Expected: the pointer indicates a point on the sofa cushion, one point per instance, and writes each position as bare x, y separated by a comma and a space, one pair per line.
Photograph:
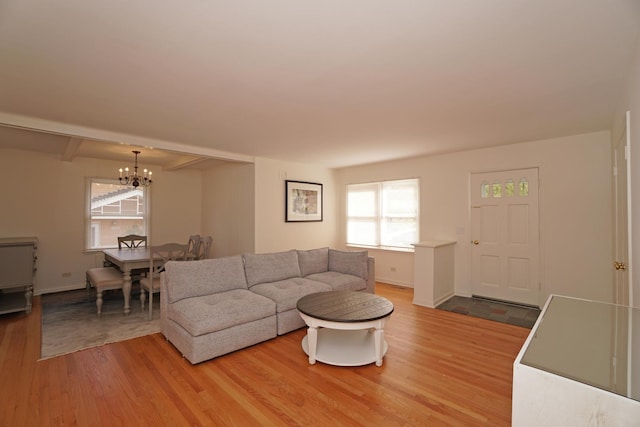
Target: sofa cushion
286, 293
196, 278
271, 267
313, 261
349, 262
339, 281
210, 313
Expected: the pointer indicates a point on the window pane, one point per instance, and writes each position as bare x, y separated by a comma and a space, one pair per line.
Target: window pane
399, 198
497, 189
399, 232
383, 214
523, 187
509, 188
362, 202
362, 233
115, 210
484, 190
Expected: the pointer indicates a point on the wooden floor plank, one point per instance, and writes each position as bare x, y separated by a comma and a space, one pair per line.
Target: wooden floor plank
441, 368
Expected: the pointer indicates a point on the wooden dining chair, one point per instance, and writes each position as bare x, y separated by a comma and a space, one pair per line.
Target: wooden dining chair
159, 256
192, 246
204, 247
132, 241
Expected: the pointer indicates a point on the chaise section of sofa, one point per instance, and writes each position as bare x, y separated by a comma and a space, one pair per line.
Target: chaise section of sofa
207, 309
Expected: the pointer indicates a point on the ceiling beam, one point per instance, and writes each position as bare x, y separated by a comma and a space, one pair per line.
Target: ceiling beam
71, 149
182, 162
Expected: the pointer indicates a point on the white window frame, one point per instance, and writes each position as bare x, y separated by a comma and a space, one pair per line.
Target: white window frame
378, 216
90, 227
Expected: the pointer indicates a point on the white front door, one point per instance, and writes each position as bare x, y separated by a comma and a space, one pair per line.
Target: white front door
505, 239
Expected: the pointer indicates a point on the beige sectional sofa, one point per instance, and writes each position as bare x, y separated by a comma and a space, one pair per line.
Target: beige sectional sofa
215, 306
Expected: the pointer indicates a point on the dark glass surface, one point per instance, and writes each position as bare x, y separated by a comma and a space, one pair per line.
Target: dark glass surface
591, 342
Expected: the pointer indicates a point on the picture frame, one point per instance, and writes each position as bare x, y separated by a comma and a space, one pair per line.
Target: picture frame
303, 201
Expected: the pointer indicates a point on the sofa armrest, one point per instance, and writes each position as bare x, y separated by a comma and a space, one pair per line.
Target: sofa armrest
371, 275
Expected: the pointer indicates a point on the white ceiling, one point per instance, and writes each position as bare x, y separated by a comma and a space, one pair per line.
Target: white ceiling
336, 83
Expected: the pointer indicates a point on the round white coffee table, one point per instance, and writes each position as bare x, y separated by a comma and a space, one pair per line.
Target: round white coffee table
346, 328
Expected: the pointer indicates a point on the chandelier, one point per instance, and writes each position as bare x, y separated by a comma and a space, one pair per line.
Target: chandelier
134, 179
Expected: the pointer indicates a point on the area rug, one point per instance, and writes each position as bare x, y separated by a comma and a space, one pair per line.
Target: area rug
512, 314
70, 322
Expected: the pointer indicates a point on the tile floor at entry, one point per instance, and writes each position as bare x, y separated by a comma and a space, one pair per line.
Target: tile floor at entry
512, 314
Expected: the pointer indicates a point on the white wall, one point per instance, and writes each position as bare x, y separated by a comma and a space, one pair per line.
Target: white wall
45, 197
272, 233
575, 209
228, 208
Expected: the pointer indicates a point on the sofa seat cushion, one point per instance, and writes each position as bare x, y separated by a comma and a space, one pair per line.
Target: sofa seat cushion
286, 293
339, 281
210, 313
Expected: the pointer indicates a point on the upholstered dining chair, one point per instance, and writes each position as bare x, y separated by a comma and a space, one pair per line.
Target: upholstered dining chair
192, 246
132, 241
104, 279
160, 254
204, 247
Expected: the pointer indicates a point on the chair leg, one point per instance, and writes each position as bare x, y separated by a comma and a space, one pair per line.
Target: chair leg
99, 303
143, 296
150, 305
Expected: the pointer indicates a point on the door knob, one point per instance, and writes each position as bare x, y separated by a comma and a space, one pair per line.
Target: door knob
475, 242
620, 265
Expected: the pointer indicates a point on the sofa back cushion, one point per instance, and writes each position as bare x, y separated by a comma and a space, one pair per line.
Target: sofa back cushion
186, 279
313, 261
349, 262
271, 267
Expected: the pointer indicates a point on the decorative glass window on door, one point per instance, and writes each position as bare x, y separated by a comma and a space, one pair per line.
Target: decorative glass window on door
484, 190
509, 188
497, 189
523, 187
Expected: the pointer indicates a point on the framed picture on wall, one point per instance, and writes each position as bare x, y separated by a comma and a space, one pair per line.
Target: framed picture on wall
303, 201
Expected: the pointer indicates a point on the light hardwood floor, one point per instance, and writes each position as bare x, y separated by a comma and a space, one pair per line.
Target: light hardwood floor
441, 368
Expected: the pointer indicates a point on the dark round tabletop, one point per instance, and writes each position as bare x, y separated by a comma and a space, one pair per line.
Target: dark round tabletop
345, 306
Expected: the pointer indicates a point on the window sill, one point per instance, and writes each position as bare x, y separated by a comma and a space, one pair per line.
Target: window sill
382, 248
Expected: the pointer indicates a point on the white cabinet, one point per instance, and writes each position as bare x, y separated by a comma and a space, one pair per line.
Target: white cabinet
17, 273
433, 281
580, 366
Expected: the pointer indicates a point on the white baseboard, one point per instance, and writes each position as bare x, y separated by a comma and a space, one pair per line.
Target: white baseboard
61, 289
394, 282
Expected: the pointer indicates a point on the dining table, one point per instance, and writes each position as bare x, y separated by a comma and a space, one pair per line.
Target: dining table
128, 259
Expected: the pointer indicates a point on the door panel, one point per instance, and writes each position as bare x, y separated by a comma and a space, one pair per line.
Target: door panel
505, 240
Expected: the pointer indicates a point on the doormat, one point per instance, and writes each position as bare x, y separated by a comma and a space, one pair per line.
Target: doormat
512, 314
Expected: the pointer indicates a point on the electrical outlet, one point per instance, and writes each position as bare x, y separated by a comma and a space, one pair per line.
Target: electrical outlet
66, 274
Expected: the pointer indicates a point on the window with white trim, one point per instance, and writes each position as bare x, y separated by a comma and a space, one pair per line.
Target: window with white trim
114, 210
384, 214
